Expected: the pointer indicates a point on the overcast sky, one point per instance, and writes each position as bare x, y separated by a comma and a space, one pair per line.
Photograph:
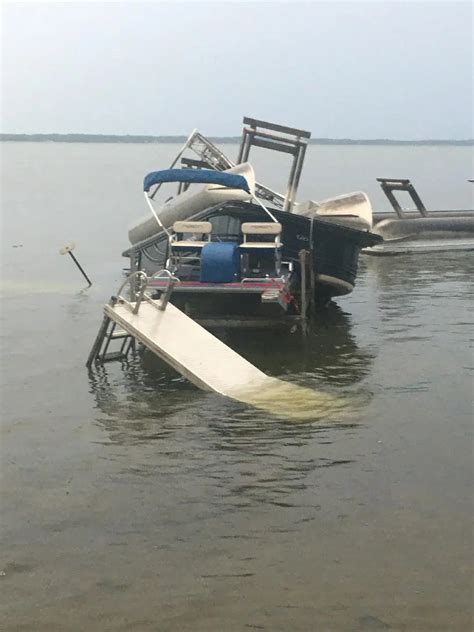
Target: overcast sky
340, 69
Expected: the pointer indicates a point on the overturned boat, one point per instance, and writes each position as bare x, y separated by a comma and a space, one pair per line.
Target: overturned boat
403, 231
419, 229
239, 253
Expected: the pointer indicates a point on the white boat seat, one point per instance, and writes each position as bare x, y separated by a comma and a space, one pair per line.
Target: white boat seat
190, 228
261, 228
203, 228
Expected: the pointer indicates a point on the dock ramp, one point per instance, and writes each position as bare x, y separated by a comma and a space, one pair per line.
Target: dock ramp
206, 361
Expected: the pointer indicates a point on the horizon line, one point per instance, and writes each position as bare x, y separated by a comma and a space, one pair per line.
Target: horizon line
175, 138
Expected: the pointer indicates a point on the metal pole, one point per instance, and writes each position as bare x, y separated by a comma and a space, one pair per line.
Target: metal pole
290, 187
242, 145
312, 273
302, 257
254, 197
180, 153
80, 268
150, 205
299, 168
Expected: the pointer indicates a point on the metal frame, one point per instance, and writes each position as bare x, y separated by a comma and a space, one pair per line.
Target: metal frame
210, 156
150, 205
396, 184
174, 257
288, 140
106, 331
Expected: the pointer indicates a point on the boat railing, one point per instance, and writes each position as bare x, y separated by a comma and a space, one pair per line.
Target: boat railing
209, 154
256, 133
266, 279
389, 185
278, 138
138, 282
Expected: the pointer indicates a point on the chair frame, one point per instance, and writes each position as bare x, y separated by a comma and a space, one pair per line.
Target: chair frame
176, 244
263, 228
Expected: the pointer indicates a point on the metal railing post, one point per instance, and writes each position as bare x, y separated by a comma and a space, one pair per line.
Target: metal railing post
304, 304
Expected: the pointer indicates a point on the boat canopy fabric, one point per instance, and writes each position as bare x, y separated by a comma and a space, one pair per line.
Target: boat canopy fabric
201, 176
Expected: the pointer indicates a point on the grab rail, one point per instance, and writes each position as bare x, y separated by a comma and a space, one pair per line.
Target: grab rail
141, 295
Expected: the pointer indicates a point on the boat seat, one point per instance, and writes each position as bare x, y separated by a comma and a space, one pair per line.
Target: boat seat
182, 250
261, 228
190, 228
272, 230
188, 244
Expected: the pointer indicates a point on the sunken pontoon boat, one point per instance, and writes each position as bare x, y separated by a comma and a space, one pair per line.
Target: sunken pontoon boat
241, 257
419, 229
403, 231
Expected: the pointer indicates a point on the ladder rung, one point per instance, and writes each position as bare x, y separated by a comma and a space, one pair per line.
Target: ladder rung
113, 355
119, 333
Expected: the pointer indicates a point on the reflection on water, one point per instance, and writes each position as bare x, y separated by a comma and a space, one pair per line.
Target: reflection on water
421, 275
243, 456
328, 355
321, 372
136, 402
143, 402
416, 296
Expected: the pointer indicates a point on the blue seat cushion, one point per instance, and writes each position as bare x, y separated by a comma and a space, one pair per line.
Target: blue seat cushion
220, 262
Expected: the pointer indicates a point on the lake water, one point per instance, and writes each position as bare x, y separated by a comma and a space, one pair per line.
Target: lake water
130, 500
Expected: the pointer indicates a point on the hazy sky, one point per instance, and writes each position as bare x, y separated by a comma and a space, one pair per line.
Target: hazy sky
340, 69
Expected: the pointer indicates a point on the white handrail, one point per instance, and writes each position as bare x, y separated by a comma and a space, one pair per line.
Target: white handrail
160, 224
254, 197
142, 295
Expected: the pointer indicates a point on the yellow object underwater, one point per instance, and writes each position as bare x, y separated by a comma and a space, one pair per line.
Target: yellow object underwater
294, 402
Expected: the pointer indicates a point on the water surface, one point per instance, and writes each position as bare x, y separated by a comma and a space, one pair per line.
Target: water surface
133, 501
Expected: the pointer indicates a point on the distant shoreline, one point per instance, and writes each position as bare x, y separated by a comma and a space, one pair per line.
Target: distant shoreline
111, 138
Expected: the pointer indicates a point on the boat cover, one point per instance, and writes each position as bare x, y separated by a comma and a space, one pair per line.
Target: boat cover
200, 176
220, 262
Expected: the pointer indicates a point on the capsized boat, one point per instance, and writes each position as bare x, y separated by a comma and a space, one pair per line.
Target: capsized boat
403, 231
419, 230
240, 256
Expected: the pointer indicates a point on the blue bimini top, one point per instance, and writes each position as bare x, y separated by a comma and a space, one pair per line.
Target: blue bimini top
201, 176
